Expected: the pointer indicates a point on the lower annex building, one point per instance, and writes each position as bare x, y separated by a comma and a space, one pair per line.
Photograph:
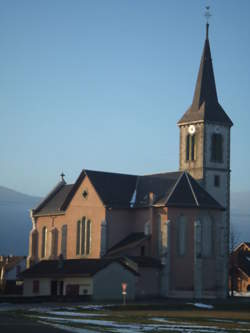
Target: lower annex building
162, 234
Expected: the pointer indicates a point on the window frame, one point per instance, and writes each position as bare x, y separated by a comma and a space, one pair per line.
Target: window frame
217, 148
83, 236
44, 242
191, 144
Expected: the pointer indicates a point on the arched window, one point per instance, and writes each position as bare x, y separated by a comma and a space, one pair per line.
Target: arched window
88, 236
44, 241
191, 147
182, 235
207, 236
83, 237
34, 243
64, 241
216, 148
54, 242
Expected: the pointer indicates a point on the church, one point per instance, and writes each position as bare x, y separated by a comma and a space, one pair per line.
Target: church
159, 235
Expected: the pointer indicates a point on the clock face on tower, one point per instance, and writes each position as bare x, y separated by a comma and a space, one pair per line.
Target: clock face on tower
191, 129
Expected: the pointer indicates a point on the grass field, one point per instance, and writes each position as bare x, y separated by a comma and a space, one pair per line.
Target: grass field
139, 318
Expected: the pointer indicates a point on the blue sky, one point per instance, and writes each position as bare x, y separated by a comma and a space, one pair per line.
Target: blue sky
100, 84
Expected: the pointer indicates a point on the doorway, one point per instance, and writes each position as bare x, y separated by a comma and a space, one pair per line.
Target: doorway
53, 288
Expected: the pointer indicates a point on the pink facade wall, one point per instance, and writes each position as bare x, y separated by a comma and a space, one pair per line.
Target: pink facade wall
92, 208
182, 267
120, 224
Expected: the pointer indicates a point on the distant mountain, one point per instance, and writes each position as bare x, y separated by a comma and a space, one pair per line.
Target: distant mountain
15, 223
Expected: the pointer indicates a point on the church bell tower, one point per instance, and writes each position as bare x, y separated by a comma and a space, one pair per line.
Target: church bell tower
205, 146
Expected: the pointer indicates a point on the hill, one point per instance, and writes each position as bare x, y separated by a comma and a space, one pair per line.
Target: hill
15, 222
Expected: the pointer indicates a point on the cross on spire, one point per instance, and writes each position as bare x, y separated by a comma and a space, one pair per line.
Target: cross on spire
207, 16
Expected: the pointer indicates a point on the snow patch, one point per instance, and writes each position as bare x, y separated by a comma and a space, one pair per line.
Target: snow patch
75, 314
202, 305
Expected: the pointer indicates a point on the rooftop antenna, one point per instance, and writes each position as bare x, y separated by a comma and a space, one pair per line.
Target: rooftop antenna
207, 16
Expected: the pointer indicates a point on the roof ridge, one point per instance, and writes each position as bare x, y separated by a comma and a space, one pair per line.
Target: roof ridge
174, 187
195, 198
50, 195
108, 172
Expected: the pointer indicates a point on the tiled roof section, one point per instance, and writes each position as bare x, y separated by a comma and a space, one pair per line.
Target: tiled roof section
204, 199
205, 105
116, 190
159, 184
113, 188
54, 203
188, 193
131, 240
70, 267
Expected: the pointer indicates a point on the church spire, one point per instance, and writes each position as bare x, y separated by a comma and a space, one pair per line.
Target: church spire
205, 90
205, 105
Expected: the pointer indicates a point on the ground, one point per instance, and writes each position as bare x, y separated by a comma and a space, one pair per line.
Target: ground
177, 316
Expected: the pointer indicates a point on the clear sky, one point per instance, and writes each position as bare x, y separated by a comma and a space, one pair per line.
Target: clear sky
100, 84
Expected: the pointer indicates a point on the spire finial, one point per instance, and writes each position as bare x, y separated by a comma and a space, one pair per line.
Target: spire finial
207, 16
62, 176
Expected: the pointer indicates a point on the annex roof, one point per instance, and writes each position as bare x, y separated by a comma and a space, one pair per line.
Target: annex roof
70, 267
130, 240
205, 105
170, 189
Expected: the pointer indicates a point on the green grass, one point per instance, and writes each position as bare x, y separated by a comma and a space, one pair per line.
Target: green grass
143, 314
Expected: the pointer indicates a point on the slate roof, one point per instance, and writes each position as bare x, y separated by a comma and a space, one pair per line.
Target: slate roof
170, 189
205, 105
54, 201
70, 267
131, 239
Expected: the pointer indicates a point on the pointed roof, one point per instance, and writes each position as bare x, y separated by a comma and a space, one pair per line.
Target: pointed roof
169, 189
205, 105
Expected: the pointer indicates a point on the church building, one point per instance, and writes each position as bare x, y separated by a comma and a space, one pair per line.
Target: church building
162, 235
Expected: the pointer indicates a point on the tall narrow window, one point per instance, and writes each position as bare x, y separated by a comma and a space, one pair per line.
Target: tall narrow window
216, 148
207, 236
88, 234
64, 241
44, 242
182, 235
83, 237
54, 242
191, 147
78, 237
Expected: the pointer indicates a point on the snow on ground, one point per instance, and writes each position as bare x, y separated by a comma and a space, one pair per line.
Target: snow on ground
240, 294
95, 307
68, 328
202, 305
75, 314
136, 328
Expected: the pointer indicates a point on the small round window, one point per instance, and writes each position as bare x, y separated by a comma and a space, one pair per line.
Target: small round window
85, 193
